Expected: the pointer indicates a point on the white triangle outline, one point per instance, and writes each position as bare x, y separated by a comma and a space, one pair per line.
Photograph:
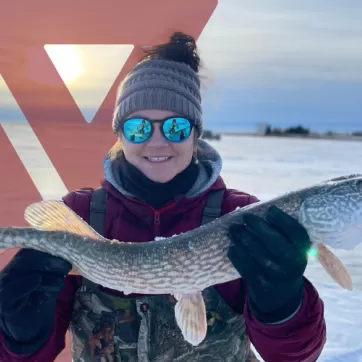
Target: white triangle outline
9, 110
28, 147
101, 66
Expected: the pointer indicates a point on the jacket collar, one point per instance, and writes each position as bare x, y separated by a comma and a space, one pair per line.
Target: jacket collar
210, 165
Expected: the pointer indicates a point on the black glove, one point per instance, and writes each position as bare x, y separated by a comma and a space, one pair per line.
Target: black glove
29, 286
271, 256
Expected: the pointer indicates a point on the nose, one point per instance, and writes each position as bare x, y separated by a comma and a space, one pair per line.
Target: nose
157, 139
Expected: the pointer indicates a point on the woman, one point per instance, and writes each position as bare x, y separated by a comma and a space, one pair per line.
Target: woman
158, 185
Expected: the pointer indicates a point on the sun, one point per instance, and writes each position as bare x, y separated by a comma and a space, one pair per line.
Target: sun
67, 60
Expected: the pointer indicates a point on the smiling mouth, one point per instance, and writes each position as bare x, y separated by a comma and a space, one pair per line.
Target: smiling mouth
158, 159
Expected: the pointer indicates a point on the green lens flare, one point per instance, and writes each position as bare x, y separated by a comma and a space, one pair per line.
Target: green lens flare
312, 252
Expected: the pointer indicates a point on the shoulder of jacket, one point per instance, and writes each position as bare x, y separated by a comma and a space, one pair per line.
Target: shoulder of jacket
235, 198
79, 201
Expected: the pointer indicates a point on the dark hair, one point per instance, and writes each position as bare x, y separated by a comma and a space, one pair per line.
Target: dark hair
180, 48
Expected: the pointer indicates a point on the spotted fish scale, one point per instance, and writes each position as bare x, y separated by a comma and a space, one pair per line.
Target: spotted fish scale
187, 264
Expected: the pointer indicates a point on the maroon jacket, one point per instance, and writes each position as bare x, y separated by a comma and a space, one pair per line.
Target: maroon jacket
299, 339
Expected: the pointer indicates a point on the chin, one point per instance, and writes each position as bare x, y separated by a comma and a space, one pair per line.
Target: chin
160, 178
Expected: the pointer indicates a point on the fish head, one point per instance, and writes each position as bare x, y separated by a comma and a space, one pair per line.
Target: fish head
332, 213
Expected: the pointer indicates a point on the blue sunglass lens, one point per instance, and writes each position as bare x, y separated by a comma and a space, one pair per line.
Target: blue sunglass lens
137, 130
176, 129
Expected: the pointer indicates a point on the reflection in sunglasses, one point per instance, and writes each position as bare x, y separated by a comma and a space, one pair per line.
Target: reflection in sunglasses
138, 130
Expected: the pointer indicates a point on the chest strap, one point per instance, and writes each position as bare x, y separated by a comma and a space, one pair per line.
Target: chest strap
97, 210
211, 211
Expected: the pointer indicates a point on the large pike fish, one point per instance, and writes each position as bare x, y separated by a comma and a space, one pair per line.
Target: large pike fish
186, 264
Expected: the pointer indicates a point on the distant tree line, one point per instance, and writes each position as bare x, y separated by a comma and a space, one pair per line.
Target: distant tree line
357, 133
298, 130
210, 135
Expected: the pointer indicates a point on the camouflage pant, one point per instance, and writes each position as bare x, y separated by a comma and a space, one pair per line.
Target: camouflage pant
106, 328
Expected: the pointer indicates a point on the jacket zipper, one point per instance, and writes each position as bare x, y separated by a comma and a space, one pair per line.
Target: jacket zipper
157, 217
156, 214
156, 221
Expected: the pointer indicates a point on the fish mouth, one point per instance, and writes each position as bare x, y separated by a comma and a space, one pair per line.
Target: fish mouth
355, 180
356, 176
353, 175
359, 185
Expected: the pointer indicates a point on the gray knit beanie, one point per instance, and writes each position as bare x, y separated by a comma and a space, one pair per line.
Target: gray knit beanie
160, 84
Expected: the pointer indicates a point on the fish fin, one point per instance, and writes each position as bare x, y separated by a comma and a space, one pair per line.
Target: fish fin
190, 313
54, 215
75, 271
334, 267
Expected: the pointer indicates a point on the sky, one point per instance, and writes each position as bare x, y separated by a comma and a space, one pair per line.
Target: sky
280, 62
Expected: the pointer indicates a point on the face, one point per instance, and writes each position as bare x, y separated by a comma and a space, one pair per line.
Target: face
157, 158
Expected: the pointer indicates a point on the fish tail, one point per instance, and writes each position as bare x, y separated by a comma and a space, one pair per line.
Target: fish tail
54, 215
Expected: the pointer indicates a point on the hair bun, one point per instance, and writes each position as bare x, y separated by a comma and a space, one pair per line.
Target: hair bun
180, 48
184, 39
